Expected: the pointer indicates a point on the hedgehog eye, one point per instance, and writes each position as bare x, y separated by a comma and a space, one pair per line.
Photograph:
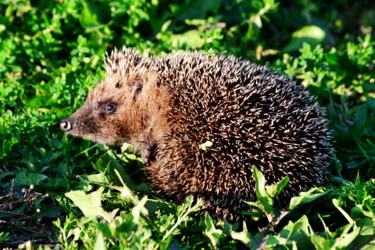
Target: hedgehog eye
117, 84
109, 107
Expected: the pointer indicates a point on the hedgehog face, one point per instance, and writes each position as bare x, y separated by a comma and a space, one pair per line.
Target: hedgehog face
106, 115
111, 113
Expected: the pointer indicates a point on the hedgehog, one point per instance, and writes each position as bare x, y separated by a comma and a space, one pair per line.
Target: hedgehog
243, 114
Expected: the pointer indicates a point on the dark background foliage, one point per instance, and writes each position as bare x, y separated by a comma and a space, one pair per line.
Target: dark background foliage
51, 53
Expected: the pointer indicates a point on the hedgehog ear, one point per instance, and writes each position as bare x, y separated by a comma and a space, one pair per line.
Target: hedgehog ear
137, 88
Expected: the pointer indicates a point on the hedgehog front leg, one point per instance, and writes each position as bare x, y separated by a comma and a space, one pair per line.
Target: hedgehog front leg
148, 153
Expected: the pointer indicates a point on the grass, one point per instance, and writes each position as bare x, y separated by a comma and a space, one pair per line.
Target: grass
57, 191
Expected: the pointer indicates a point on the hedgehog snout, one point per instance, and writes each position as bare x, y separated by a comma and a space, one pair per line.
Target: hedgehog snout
66, 125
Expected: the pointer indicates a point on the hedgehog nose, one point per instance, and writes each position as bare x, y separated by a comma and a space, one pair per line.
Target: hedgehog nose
66, 125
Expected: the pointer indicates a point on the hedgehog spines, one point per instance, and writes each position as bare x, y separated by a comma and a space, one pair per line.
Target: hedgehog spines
251, 116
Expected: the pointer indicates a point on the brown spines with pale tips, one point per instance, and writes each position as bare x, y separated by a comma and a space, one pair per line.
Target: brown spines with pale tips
252, 117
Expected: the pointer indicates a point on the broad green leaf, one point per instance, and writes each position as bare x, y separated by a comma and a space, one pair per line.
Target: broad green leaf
139, 208
100, 178
99, 243
293, 233
312, 35
260, 187
89, 204
110, 163
321, 243
346, 238
133, 220
26, 179
305, 226
211, 231
89, 18
192, 39
305, 197
332, 59
244, 236
276, 189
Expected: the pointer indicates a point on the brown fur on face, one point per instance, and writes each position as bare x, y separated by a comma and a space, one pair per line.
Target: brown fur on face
140, 106
169, 106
